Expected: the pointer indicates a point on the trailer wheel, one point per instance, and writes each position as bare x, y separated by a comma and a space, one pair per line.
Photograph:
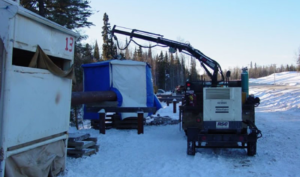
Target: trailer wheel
251, 148
191, 148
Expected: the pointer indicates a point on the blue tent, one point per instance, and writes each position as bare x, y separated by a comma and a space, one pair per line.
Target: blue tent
130, 80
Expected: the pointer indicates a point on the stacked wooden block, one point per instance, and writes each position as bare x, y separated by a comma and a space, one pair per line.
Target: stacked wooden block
80, 145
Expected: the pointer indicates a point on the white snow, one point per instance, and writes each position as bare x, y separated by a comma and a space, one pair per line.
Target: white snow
161, 150
284, 78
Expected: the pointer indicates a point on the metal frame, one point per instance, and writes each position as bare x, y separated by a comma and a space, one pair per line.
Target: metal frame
139, 110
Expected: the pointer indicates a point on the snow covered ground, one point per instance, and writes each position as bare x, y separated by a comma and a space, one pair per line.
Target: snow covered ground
284, 78
161, 150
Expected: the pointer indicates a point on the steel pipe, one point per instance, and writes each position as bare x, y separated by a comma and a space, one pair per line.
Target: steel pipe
92, 97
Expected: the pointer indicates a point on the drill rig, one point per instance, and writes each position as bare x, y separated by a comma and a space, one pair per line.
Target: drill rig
215, 113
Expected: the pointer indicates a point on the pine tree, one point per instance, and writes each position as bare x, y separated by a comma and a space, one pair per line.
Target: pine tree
96, 52
161, 69
281, 68
108, 47
87, 56
134, 54
72, 14
255, 71
178, 70
149, 55
292, 68
36, 6
155, 70
83, 54
172, 71
139, 54
127, 53
183, 69
167, 72
78, 61
193, 69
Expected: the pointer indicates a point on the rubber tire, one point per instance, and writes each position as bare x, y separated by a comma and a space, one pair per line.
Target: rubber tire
251, 148
191, 150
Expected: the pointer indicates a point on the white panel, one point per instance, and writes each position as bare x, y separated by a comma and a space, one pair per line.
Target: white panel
217, 93
5, 16
37, 105
130, 80
29, 34
223, 109
34, 104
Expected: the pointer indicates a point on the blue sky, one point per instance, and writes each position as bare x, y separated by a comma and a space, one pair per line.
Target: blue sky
232, 32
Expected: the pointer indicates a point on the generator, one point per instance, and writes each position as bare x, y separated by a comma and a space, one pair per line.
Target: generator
216, 112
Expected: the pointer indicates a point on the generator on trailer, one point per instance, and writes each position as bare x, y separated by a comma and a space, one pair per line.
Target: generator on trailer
222, 116
215, 113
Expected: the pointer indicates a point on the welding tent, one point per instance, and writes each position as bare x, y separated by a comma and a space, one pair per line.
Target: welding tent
130, 80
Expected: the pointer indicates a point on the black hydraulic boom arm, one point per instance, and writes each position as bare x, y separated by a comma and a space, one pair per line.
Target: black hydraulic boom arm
205, 61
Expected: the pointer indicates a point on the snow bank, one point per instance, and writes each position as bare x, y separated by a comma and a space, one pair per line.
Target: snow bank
284, 78
278, 99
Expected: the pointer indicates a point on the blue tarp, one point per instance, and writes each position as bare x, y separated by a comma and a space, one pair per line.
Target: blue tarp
97, 77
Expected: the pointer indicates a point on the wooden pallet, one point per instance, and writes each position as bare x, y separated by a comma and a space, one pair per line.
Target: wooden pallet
114, 121
108, 122
80, 145
128, 123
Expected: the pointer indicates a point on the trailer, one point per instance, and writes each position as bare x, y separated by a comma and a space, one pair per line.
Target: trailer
214, 113
36, 71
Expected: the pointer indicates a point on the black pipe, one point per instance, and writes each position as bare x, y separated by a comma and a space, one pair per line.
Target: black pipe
92, 97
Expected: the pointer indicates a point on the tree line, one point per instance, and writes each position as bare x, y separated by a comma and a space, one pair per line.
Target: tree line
256, 71
168, 69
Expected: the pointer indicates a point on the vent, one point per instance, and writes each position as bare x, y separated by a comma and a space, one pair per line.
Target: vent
223, 94
23, 58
